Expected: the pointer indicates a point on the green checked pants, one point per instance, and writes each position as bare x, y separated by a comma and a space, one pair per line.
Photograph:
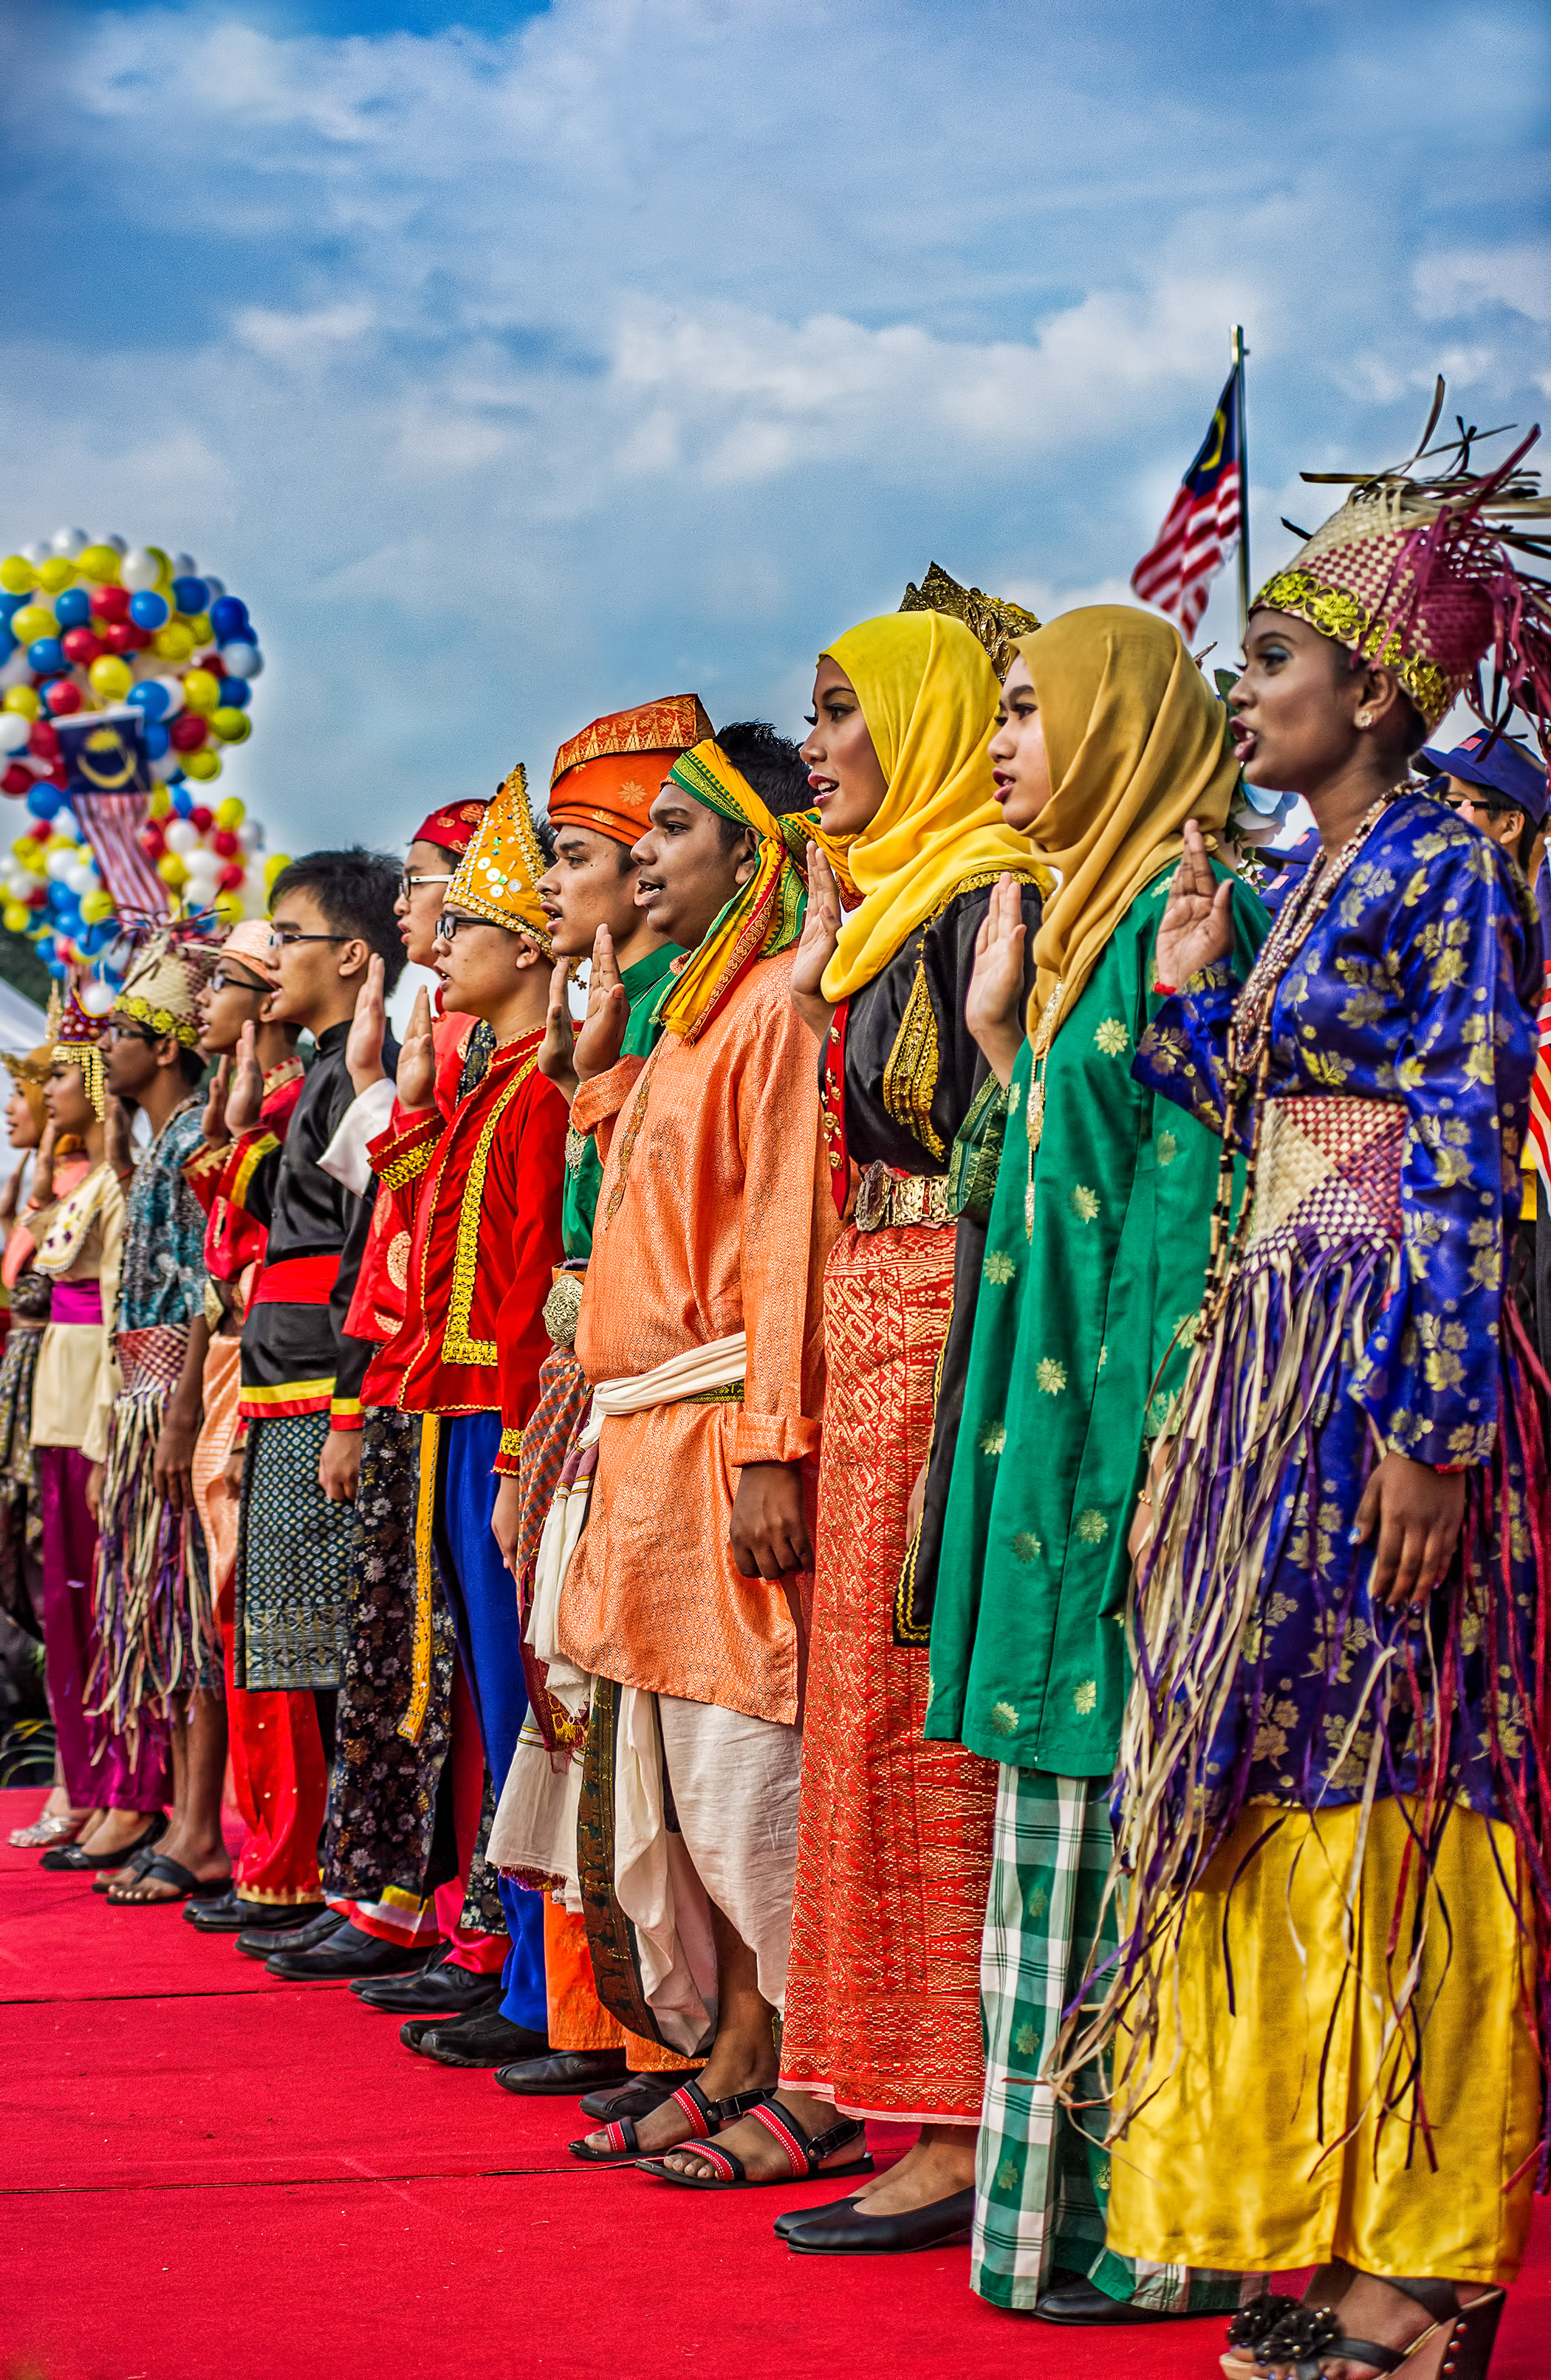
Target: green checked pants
1042, 2183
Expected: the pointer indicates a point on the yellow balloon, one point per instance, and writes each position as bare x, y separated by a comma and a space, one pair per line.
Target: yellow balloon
24, 850
23, 699
202, 764
174, 642
230, 815
61, 842
228, 908
202, 628
160, 804
202, 690
18, 916
100, 563
32, 620
56, 573
233, 726
273, 865
96, 906
170, 869
110, 676
17, 575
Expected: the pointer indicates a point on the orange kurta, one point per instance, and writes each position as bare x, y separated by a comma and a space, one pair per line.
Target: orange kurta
714, 1216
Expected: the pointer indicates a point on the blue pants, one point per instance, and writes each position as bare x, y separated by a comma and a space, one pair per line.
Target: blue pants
482, 1597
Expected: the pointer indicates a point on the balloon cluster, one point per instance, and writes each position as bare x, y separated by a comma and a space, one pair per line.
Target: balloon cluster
92, 625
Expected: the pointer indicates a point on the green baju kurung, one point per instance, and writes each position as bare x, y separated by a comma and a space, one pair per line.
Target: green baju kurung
1094, 1261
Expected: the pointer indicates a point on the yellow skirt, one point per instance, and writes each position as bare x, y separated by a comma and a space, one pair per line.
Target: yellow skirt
1291, 2127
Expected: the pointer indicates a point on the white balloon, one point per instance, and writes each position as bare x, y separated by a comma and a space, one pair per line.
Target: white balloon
172, 688
70, 542
139, 570
185, 566
116, 544
64, 822
167, 768
13, 731
241, 661
80, 879
203, 862
182, 836
250, 834
37, 553
97, 999
57, 865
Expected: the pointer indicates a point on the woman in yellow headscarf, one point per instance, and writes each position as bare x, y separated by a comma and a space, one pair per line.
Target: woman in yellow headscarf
883, 2011
1095, 1254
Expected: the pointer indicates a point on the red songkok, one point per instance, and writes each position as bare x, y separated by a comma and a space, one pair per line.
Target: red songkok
608, 778
452, 829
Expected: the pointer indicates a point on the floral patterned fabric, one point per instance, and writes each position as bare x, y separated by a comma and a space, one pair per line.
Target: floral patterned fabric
162, 1278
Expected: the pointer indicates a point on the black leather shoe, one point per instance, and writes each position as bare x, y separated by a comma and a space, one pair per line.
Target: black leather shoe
1075, 2300
785, 2225
627, 2102
487, 2039
437, 1991
347, 1951
232, 1915
563, 2072
841, 2232
262, 1940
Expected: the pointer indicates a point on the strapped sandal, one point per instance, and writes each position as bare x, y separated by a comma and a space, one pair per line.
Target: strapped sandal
54, 1826
804, 2155
121, 1893
1306, 2338
706, 2116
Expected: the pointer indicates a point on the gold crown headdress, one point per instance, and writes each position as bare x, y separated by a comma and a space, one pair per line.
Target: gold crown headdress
996, 623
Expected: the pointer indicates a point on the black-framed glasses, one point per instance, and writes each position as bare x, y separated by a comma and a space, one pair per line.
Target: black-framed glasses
223, 981
284, 938
121, 1029
449, 921
409, 884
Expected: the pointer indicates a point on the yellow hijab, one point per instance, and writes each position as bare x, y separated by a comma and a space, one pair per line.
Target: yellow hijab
929, 696
1137, 743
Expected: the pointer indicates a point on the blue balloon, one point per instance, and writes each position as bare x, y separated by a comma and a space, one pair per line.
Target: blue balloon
10, 606
236, 693
157, 740
228, 618
57, 967
150, 610
72, 609
45, 655
149, 697
190, 595
7, 644
97, 937
46, 801
182, 798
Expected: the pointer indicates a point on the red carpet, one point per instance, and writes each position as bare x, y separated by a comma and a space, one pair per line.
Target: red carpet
206, 2175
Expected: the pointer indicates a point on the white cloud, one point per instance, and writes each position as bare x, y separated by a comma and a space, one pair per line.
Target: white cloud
1458, 281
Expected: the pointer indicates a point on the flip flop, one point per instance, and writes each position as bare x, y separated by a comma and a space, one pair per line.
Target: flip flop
168, 1871
804, 2156
140, 1859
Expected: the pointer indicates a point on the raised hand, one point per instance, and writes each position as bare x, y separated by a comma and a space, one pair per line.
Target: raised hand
215, 1128
364, 1050
42, 1193
820, 931
558, 1050
608, 1012
1196, 927
417, 1058
994, 1006
245, 1100
118, 1146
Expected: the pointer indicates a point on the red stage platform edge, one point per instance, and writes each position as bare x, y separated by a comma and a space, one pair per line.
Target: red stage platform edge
210, 2176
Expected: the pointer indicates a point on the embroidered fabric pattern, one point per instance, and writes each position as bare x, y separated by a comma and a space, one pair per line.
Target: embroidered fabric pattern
457, 1347
910, 1074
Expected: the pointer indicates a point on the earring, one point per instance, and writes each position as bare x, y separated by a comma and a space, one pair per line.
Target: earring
1364, 718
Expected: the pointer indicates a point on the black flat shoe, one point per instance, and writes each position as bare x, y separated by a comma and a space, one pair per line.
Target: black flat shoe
1080, 2302
347, 1951
436, 1991
69, 1859
232, 1915
844, 2232
563, 2072
785, 2225
262, 1940
487, 2039
629, 2101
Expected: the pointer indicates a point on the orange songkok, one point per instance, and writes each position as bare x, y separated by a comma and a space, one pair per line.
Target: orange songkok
608, 778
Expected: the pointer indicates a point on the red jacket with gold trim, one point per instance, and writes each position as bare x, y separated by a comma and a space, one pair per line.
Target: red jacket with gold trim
479, 1193
233, 1238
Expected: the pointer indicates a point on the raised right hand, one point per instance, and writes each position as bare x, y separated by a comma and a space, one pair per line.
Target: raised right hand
245, 1100
558, 1050
1196, 927
608, 1012
214, 1126
417, 1058
821, 932
994, 1004
364, 1050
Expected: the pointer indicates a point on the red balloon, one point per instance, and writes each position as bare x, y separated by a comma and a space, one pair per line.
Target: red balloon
118, 637
138, 639
38, 897
224, 842
201, 819
187, 732
58, 775
110, 603
17, 780
81, 647
43, 740
62, 696
230, 879
153, 842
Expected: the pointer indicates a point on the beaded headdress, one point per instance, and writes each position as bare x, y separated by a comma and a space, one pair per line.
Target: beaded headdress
497, 876
78, 1042
1415, 573
160, 988
996, 623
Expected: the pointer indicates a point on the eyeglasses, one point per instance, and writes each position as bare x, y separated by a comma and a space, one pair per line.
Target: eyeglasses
282, 938
449, 921
409, 884
118, 1031
223, 981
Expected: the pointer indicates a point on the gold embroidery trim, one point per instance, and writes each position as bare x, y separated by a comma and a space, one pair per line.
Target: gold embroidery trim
406, 1165
413, 1719
253, 1157
1335, 614
456, 1345
912, 1068
511, 1442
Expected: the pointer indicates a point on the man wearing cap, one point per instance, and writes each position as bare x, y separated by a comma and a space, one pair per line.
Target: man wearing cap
1499, 787
479, 1194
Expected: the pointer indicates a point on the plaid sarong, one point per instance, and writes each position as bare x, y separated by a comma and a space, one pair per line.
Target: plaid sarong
1041, 2175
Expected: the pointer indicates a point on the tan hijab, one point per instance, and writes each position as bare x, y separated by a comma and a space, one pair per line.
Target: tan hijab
1137, 743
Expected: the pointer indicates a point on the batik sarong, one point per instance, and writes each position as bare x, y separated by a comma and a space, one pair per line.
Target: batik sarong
292, 1561
155, 1619
882, 2006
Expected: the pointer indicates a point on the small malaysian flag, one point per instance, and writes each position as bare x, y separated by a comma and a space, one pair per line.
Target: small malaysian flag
1203, 521
109, 781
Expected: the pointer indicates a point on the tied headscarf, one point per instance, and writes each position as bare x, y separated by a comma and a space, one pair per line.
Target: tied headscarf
764, 916
929, 696
1137, 744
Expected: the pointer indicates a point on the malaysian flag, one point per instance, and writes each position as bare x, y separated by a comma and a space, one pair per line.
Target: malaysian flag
108, 782
1203, 521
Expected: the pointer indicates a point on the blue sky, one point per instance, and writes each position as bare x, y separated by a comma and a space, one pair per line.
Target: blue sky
518, 364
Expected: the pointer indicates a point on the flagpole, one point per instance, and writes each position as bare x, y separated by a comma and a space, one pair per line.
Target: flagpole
1239, 351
